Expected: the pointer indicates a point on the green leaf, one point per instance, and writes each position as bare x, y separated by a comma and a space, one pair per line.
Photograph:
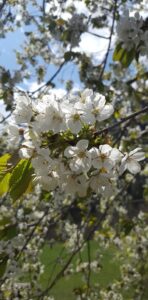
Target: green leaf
3, 162
4, 183
20, 179
5, 77
8, 233
4, 175
3, 264
4, 221
125, 57
128, 58
69, 55
118, 52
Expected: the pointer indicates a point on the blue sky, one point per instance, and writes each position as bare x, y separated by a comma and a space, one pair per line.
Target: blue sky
14, 40
96, 50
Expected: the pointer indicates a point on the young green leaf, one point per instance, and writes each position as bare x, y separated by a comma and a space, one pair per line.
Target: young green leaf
4, 183
123, 56
3, 264
20, 179
3, 163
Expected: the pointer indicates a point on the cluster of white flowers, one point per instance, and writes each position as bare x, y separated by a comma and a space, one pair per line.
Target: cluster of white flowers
132, 32
78, 25
17, 255
74, 237
58, 137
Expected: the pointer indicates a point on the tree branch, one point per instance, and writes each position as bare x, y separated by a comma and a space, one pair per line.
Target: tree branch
2, 5
110, 39
61, 272
98, 35
43, 7
5, 118
49, 82
132, 116
89, 264
137, 77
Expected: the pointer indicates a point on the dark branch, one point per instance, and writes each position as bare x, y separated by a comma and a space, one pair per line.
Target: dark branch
109, 44
50, 81
132, 116
61, 272
98, 35
89, 264
43, 6
2, 5
5, 118
137, 77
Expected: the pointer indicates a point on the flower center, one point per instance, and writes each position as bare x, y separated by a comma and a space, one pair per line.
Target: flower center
103, 156
82, 154
76, 117
95, 111
103, 170
57, 117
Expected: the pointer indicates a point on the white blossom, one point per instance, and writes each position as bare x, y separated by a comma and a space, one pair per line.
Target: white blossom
74, 184
23, 111
73, 118
129, 30
52, 119
105, 157
71, 169
93, 108
13, 134
80, 158
130, 161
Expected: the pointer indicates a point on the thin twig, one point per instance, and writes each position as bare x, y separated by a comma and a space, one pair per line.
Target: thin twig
49, 82
132, 116
43, 7
61, 272
89, 235
31, 235
98, 35
2, 5
110, 39
121, 133
89, 264
5, 118
137, 77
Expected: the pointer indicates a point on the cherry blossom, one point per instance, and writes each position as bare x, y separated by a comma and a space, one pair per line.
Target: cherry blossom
129, 30
73, 118
23, 111
80, 158
130, 161
94, 108
68, 162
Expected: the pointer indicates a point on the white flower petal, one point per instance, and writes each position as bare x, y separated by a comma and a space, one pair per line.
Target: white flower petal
135, 151
82, 144
88, 118
87, 93
133, 166
138, 156
107, 164
94, 152
105, 113
105, 149
69, 151
74, 126
115, 154
97, 163
100, 100
123, 167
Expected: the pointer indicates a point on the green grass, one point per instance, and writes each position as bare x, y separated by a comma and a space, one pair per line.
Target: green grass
63, 290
